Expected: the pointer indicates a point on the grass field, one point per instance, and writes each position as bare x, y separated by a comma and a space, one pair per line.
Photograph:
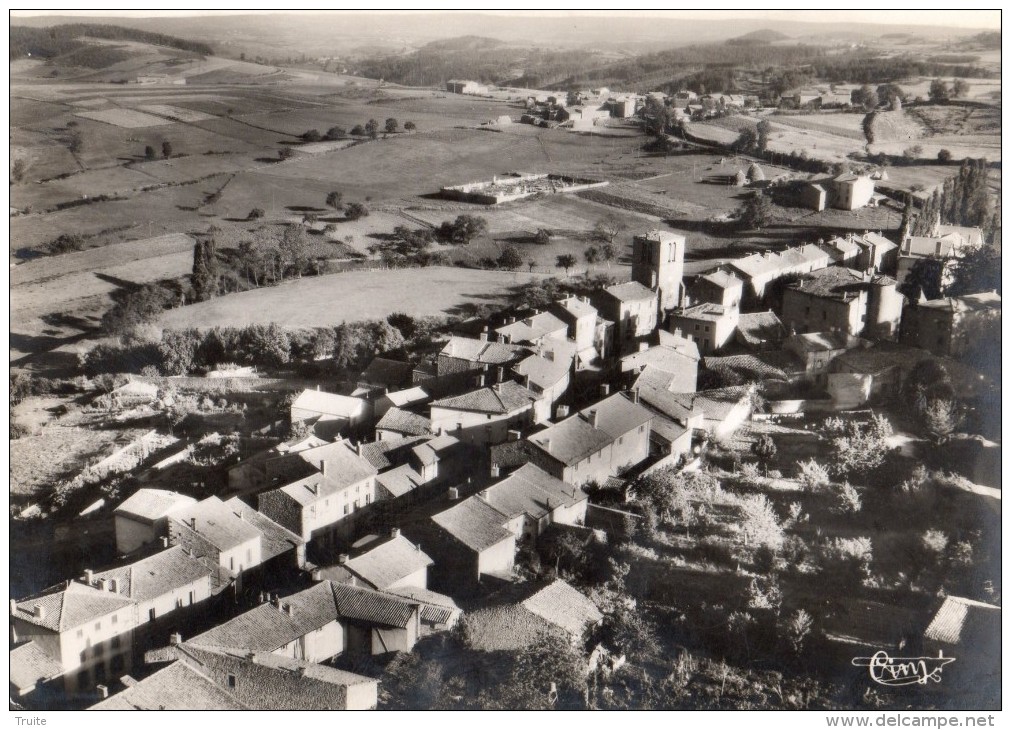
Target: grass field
335, 298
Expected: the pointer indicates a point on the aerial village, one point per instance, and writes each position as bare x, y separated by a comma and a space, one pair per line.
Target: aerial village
616, 491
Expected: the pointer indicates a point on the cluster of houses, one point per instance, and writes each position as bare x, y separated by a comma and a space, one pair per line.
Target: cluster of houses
324, 546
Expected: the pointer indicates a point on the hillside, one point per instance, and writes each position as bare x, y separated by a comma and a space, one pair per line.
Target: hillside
758, 37
65, 44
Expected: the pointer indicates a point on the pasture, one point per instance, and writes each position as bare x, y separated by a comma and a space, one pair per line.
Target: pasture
324, 301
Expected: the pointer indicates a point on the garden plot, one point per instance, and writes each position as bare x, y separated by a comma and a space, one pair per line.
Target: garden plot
175, 113
89, 103
129, 118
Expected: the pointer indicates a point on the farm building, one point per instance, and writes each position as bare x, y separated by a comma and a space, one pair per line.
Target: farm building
844, 300
944, 326
329, 414
516, 186
143, 517
463, 86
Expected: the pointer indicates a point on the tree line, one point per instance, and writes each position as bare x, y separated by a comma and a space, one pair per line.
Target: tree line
61, 39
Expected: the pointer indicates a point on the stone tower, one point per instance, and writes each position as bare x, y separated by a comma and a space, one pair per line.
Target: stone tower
658, 262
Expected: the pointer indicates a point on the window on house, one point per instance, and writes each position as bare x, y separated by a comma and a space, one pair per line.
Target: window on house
98, 626
368, 499
824, 315
357, 504
249, 555
807, 311
642, 428
707, 328
151, 615
100, 673
117, 664
621, 440
231, 681
115, 642
696, 328
231, 563
99, 649
346, 509
192, 598
80, 633
115, 619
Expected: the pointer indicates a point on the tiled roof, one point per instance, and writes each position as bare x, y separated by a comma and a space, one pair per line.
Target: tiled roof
715, 404
29, 665
475, 523
501, 398
406, 397
959, 619
970, 234
722, 279
667, 428
532, 491
662, 358
543, 373
381, 453
575, 307
68, 606
881, 357
344, 468
673, 406
676, 341
382, 371
176, 687
617, 415
151, 504
404, 422
532, 328
217, 524
482, 351
707, 311
758, 328
571, 440
301, 667
329, 404
878, 241
564, 606
157, 575
436, 608
275, 540
765, 365
630, 291
361, 604
385, 564
837, 282
434, 449
840, 248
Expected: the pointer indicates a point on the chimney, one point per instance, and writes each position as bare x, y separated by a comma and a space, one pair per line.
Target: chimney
103, 691
322, 467
89, 577
480, 381
342, 559
546, 443
39, 611
395, 532
314, 488
193, 523
175, 639
501, 339
605, 390
494, 471
453, 494
526, 382
113, 585
501, 374
513, 435
594, 418
498, 387
483, 494
251, 657
643, 346
484, 334
289, 609
549, 503
128, 681
635, 395
164, 541
562, 411
317, 387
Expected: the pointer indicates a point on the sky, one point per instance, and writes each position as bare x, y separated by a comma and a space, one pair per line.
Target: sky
954, 18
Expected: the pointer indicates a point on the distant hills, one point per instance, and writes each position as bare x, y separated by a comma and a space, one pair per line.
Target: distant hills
758, 37
64, 44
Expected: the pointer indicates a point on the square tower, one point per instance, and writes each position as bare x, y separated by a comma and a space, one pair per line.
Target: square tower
658, 262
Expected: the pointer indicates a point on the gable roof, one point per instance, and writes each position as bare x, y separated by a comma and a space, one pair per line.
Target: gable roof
673, 406
176, 687
408, 396
774, 365
945, 246
29, 665
384, 454
532, 491
630, 291
532, 328
475, 523
383, 371
707, 311
216, 523
821, 341
501, 398
543, 372
329, 404
715, 404
971, 235
962, 620
617, 415
157, 575
344, 468
571, 440
404, 422
574, 307
436, 608
562, 605
984, 301
877, 240
665, 358
152, 504
385, 564
68, 605
301, 667
482, 351
758, 328
722, 279
374, 607
838, 283
274, 539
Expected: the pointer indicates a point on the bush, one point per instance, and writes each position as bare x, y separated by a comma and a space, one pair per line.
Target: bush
944, 156
813, 476
312, 135
846, 499
354, 211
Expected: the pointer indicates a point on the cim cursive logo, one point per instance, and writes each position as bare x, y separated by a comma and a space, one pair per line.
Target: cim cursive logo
901, 671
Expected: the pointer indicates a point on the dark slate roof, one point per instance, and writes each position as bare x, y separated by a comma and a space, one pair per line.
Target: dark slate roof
758, 328
391, 373
275, 540
362, 604
630, 291
68, 606
404, 422
385, 564
756, 367
385, 453
529, 490
286, 664
29, 665
176, 687
161, 573
564, 606
475, 523
964, 621
217, 524
839, 283
501, 398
